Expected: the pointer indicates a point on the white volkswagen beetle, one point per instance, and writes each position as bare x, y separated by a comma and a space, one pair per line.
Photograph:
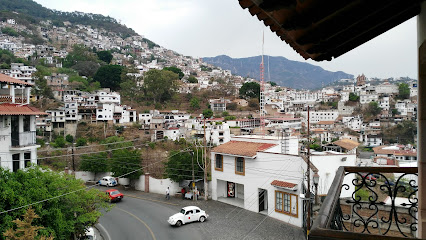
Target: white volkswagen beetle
187, 215
108, 181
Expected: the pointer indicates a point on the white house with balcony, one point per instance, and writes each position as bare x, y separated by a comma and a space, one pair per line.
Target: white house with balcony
253, 174
18, 146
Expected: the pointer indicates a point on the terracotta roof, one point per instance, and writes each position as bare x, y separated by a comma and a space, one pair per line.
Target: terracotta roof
346, 144
323, 30
6, 79
406, 153
325, 122
16, 109
288, 185
242, 148
380, 150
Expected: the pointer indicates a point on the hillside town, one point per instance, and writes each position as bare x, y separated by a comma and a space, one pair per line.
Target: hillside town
258, 149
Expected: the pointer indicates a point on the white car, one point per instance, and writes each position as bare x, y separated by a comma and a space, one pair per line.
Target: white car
88, 235
187, 215
108, 181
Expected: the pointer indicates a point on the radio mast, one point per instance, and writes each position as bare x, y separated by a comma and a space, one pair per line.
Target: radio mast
262, 91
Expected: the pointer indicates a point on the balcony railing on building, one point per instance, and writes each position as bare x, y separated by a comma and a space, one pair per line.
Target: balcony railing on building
8, 99
24, 139
382, 204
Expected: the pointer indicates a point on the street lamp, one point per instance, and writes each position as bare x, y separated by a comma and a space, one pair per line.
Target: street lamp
316, 181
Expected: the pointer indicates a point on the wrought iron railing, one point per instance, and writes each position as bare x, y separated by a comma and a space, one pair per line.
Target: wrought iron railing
369, 203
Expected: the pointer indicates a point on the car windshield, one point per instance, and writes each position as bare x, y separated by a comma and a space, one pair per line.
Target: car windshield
115, 192
182, 211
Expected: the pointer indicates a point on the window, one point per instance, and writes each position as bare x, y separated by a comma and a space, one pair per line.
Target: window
239, 166
27, 123
219, 162
286, 203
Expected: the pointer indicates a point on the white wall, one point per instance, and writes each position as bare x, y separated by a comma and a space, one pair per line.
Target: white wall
259, 173
327, 165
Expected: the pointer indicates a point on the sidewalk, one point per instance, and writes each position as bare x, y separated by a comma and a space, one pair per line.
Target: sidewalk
226, 221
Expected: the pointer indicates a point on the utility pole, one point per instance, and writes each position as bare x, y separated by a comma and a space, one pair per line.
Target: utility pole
193, 177
205, 163
308, 194
73, 163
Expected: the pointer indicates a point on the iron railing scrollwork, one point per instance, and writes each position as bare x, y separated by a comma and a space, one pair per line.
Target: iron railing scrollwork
379, 203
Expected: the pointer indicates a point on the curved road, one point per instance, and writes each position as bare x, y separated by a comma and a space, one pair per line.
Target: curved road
135, 218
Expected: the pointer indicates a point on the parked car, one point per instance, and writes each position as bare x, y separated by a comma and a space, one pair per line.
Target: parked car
88, 235
114, 195
187, 215
368, 177
108, 181
390, 183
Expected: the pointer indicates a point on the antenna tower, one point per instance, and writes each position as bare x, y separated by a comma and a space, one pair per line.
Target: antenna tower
262, 92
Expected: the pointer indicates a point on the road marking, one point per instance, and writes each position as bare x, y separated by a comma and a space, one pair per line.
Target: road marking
152, 200
140, 220
104, 230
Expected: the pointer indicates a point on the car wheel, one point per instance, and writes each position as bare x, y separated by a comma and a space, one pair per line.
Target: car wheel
202, 219
178, 223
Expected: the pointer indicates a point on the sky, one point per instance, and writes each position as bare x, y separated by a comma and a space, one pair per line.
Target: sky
208, 28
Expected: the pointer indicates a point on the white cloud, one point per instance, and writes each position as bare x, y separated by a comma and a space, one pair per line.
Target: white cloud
202, 28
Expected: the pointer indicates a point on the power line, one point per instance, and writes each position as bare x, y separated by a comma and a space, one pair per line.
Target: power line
45, 200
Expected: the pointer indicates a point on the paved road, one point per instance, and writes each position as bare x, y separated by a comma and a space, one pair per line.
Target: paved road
136, 218
144, 216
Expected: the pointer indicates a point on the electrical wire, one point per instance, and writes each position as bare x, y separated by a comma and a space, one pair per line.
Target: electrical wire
65, 194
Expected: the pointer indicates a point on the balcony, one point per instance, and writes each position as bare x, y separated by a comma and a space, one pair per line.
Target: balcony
383, 204
23, 140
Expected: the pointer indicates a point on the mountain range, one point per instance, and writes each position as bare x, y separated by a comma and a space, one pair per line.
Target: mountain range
284, 72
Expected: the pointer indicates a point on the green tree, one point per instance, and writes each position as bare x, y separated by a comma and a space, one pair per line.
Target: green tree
79, 53
250, 90
404, 133
176, 70
179, 165
273, 84
124, 161
109, 76
404, 91
194, 103
207, 113
86, 68
353, 97
9, 31
69, 138
63, 217
95, 162
59, 142
159, 85
105, 56
41, 87
81, 142
192, 79
373, 109
130, 89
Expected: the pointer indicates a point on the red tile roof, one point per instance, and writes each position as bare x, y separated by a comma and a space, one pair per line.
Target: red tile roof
242, 148
16, 109
6, 79
284, 184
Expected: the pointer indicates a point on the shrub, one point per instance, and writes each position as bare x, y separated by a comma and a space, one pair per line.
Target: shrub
81, 142
59, 142
69, 138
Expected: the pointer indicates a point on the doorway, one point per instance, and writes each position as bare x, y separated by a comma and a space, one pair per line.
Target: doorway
263, 199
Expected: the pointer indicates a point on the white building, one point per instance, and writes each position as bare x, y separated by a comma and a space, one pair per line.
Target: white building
327, 163
317, 116
254, 175
18, 146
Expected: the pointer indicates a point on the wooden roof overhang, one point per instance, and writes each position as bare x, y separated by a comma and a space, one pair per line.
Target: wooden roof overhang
325, 29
